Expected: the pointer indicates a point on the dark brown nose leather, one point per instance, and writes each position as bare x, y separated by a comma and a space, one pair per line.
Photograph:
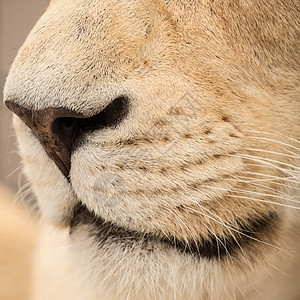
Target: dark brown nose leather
58, 129
55, 128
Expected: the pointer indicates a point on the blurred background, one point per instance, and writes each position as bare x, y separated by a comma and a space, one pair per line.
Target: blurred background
16, 20
18, 229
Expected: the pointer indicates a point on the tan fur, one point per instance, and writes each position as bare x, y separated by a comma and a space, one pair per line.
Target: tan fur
212, 138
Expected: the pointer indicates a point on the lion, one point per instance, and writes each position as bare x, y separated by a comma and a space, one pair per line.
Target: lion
161, 139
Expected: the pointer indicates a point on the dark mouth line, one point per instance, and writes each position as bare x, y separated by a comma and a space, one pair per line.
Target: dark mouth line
214, 247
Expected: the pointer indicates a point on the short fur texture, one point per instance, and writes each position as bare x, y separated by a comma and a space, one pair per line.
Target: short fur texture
211, 143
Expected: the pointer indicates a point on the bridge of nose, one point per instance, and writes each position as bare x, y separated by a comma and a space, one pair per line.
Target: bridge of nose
57, 144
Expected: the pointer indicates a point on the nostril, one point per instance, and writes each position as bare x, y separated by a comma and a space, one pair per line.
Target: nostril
71, 129
65, 127
67, 124
111, 116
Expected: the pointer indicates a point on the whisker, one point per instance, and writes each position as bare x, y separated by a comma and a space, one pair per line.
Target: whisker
255, 193
188, 228
236, 178
241, 233
273, 152
215, 215
177, 216
18, 168
263, 159
274, 134
222, 223
269, 202
267, 166
272, 177
286, 178
275, 141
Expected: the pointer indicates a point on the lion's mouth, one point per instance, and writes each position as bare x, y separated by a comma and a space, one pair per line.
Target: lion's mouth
214, 247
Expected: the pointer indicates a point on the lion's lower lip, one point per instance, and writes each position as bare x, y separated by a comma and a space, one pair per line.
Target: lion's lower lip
215, 247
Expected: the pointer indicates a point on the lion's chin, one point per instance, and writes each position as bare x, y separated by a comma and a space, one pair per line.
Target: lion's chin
214, 248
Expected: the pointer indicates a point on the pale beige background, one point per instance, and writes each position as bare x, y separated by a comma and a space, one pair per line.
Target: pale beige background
17, 17
18, 226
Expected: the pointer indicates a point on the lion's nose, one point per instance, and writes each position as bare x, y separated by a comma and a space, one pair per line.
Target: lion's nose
55, 128
59, 128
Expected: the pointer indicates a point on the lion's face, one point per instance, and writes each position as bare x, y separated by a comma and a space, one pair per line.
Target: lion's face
192, 170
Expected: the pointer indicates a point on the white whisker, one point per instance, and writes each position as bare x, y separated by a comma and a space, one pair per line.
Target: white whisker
274, 134
239, 232
271, 177
223, 224
256, 193
215, 215
269, 202
263, 159
268, 166
253, 183
273, 152
18, 168
275, 141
